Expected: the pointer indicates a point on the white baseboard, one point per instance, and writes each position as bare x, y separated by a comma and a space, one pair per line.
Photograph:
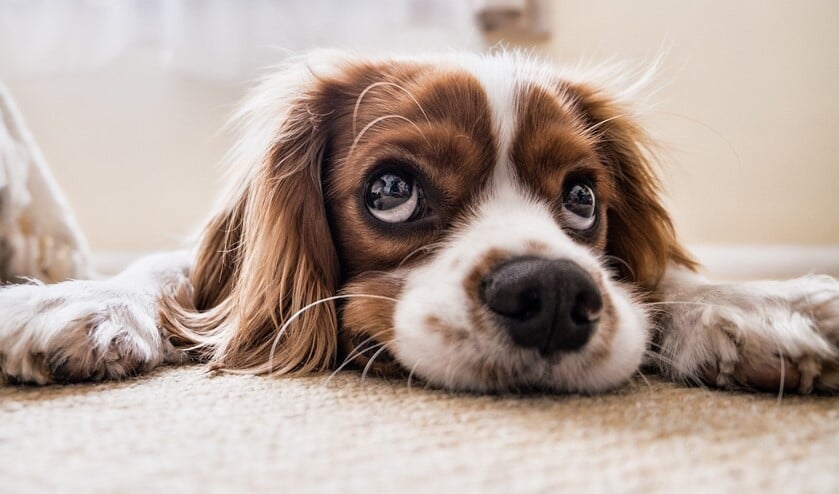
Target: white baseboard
730, 262
767, 261
113, 261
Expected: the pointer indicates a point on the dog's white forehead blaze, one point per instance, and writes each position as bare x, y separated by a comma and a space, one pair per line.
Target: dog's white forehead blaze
511, 220
500, 85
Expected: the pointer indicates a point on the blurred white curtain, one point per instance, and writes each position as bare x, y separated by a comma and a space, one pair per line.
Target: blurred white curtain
220, 39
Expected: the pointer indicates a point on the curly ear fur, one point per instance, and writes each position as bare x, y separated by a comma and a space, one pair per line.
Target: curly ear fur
640, 231
262, 257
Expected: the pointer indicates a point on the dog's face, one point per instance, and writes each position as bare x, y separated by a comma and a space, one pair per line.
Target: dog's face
473, 215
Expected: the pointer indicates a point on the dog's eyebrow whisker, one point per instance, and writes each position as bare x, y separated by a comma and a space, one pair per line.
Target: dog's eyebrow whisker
297, 314
379, 84
358, 105
374, 122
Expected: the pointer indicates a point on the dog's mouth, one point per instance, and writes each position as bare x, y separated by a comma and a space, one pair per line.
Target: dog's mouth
375, 359
482, 364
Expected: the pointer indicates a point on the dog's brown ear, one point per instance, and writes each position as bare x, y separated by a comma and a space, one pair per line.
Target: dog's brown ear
640, 231
266, 259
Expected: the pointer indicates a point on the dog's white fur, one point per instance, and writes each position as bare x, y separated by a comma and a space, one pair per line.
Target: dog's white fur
108, 329
96, 329
783, 327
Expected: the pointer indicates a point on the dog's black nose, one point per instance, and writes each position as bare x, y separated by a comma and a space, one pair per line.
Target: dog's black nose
550, 305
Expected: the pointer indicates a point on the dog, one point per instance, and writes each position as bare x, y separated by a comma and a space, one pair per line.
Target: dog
487, 223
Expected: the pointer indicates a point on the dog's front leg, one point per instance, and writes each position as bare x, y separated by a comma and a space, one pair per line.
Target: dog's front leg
90, 330
764, 335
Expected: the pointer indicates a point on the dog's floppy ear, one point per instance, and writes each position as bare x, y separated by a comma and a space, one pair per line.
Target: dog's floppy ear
640, 231
267, 253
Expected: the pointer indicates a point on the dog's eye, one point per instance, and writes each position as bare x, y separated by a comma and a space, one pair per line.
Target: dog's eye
578, 206
394, 198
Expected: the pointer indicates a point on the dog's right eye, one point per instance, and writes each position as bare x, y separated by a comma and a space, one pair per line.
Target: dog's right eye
394, 198
578, 206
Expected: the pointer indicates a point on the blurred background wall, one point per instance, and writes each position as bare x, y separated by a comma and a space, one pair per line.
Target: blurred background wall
747, 114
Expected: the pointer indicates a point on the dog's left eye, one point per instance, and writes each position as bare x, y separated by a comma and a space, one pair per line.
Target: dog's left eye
394, 198
578, 206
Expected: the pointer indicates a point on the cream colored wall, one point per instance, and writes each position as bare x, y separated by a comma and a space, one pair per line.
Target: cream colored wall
748, 109
136, 149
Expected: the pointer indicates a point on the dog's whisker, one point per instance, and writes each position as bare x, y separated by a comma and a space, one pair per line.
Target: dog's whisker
297, 314
358, 348
590, 130
411, 374
370, 362
662, 358
622, 262
447, 379
347, 361
689, 377
356, 352
783, 376
655, 345
720, 135
644, 378
424, 248
680, 302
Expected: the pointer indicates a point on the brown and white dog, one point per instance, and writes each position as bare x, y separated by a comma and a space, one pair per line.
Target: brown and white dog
482, 222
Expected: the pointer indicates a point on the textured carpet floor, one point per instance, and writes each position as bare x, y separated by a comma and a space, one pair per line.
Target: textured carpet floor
180, 430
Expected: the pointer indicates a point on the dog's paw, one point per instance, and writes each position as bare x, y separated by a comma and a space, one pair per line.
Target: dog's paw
758, 335
76, 331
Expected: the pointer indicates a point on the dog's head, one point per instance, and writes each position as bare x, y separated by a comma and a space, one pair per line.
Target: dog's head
481, 222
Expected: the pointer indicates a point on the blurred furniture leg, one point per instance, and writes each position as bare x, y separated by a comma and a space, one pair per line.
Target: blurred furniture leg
39, 235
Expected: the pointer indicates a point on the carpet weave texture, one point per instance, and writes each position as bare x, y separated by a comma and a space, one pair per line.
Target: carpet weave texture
182, 430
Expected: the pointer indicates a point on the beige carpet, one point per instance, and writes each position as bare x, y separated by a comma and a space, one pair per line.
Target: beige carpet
180, 430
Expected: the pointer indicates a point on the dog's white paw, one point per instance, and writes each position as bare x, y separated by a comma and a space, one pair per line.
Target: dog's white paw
77, 331
763, 335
